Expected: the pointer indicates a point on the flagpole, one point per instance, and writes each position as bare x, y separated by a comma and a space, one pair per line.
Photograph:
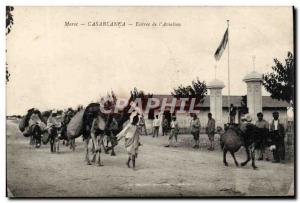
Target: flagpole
228, 75
215, 72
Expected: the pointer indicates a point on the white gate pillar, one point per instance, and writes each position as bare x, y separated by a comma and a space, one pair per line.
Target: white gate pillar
216, 106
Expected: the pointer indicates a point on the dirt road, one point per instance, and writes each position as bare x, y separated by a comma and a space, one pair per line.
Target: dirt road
161, 171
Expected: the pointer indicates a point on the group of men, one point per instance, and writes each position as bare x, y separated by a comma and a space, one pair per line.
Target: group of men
195, 128
275, 132
271, 134
210, 130
166, 126
269, 137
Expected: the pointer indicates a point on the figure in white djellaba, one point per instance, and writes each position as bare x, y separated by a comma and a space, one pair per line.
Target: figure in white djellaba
131, 133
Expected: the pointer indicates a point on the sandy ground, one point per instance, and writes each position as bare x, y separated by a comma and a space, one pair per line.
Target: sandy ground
161, 171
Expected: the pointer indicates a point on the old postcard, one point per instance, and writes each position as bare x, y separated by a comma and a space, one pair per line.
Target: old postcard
150, 101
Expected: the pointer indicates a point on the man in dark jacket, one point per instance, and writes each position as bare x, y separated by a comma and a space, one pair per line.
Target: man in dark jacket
277, 133
165, 126
232, 113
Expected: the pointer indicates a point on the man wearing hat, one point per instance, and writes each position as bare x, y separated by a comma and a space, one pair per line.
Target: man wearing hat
246, 120
263, 127
277, 134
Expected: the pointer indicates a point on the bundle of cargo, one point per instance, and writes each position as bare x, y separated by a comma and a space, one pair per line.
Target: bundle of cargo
74, 128
23, 123
26, 132
82, 118
45, 137
32, 117
45, 116
93, 109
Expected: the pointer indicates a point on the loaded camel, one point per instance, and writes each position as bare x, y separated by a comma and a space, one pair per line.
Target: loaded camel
95, 125
246, 135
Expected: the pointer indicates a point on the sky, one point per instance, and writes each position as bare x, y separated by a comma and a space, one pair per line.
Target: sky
54, 66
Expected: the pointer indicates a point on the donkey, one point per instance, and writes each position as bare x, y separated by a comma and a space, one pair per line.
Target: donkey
36, 135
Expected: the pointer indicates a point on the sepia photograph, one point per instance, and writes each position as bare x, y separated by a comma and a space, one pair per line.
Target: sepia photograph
150, 101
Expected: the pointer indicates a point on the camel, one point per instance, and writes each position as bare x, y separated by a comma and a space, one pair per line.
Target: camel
91, 114
233, 139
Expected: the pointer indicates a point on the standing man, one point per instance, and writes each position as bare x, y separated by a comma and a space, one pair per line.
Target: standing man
54, 127
263, 127
165, 126
195, 129
277, 133
132, 136
156, 124
210, 130
174, 131
232, 113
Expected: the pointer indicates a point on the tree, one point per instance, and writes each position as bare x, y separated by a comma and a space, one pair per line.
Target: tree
7, 73
135, 94
9, 23
197, 90
280, 83
9, 19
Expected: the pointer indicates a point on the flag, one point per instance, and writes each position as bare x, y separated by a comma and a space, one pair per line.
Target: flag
222, 46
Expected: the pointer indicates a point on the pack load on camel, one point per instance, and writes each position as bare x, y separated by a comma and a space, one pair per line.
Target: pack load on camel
74, 127
68, 115
46, 136
82, 121
46, 115
24, 122
31, 125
